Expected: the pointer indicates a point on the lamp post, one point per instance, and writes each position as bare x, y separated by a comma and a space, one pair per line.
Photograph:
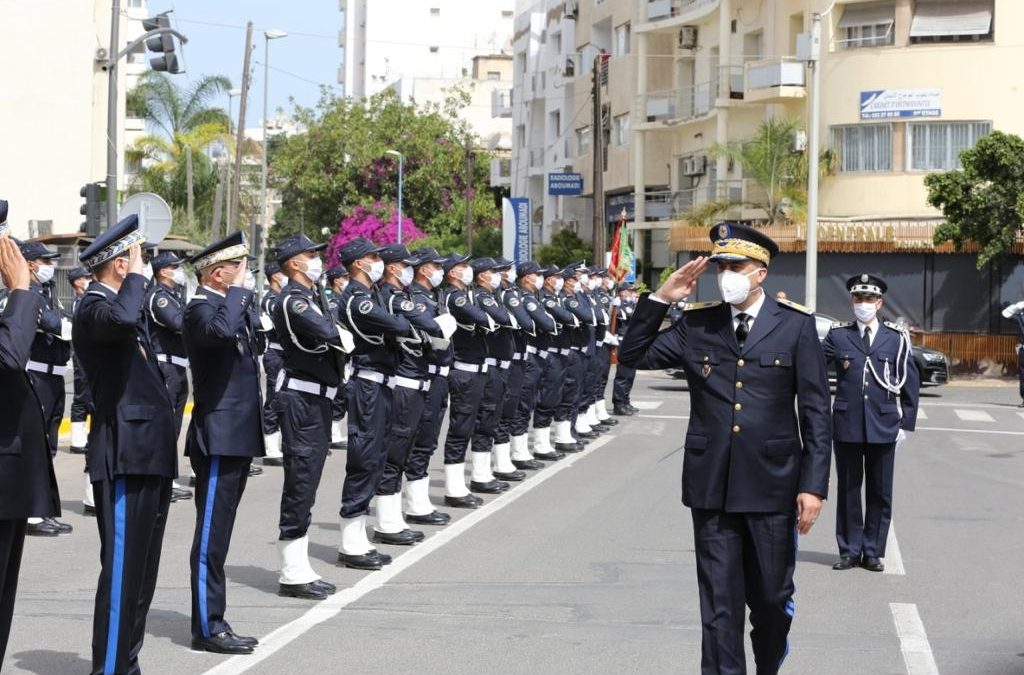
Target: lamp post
232, 94
265, 219
401, 162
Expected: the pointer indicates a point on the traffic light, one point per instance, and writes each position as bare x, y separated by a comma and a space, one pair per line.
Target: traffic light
92, 209
161, 44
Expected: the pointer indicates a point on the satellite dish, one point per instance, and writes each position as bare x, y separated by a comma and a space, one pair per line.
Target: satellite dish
154, 215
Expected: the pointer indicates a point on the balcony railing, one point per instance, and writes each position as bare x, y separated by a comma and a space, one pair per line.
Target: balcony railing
660, 10
501, 103
678, 105
775, 79
501, 171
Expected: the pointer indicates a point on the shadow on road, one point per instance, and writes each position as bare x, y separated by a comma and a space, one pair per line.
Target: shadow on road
175, 626
258, 578
817, 557
46, 662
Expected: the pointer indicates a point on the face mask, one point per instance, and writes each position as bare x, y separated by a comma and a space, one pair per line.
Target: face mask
593, 284
405, 278
510, 275
44, 273
376, 271
341, 287
314, 269
538, 282
250, 281
865, 311
147, 271
609, 284
178, 277
585, 281
495, 280
436, 277
734, 286
559, 284
466, 276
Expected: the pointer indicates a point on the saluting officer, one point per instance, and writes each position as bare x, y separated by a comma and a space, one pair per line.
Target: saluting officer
376, 334
757, 448
310, 380
418, 508
273, 359
132, 454
81, 405
875, 406
337, 280
622, 386
530, 279
27, 483
554, 375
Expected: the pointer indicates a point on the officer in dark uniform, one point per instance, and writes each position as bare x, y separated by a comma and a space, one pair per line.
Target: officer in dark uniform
602, 295
553, 378
427, 280
226, 430
27, 483
530, 279
48, 362
876, 404
622, 386
1015, 313
467, 379
337, 280
757, 448
81, 405
571, 432
132, 447
589, 394
272, 362
311, 344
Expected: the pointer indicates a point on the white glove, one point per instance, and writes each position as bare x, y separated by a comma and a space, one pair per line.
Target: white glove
439, 344
901, 438
491, 326
611, 340
447, 323
515, 323
65, 329
265, 323
348, 342
616, 302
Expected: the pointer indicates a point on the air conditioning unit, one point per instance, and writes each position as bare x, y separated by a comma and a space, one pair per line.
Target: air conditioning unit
102, 55
800, 141
688, 37
695, 166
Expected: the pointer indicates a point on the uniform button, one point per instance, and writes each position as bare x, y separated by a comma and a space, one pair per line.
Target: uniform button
739, 406
736, 429
741, 363
777, 362
865, 396
706, 358
739, 385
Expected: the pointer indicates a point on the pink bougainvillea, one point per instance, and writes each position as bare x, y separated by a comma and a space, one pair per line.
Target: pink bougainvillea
378, 223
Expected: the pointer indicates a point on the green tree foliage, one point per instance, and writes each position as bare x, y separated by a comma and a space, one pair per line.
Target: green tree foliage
341, 162
982, 202
565, 248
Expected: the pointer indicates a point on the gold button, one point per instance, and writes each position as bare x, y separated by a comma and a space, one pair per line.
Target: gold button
777, 362
736, 429
739, 406
741, 363
739, 385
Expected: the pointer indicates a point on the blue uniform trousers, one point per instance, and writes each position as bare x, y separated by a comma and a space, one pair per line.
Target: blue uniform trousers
862, 530
429, 430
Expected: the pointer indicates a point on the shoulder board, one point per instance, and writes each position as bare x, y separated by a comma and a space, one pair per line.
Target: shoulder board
99, 293
895, 326
840, 324
199, 297
690, 306
794, 305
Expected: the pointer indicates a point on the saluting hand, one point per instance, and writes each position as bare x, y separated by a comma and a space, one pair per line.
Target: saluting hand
683, 281
808, 506
239, 278
135, 264
13, 268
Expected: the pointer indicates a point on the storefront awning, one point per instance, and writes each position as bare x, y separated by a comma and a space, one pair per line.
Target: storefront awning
948, 18
868, 14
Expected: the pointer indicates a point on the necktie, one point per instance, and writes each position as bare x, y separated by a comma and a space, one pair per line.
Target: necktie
741, 328
866, 338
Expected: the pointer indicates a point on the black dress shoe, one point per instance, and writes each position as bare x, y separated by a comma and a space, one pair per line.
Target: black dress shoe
514, 476
75, 450
339, 445
222, 643
310, 591
255, 470
622, 411
88, 510
273, 461
433, 518
178, 494
43, 529
585, 435
872, 564
549, 456
467, 502
527, 464
491, 487
384, 558
847, 562
62, 527
367, 561
244, 639
611, 421
403, 538
633, 408
568, 447
325, 586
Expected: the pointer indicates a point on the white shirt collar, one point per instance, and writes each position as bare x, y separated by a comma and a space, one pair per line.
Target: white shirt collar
107, 286
873, 326
207, 288
751, 311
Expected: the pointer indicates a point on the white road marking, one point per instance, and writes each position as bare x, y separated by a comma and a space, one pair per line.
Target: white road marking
664, 417
917, 652
893, 558
331, 607
647, 405
971, 431
973, 415
1020, 414
921, 415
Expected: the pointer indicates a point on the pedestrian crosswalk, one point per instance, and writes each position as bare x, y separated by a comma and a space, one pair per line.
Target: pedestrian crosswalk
968, 415
971, 418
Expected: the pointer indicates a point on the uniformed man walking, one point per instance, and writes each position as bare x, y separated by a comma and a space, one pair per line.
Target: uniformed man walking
622, 385
226, 429
27, 482
132, 447
757, 449
272, 362
877, 390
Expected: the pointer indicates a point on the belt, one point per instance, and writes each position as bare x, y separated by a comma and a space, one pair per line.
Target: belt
576, 349
48, 368
518, 356
170, 358
543, 355
470, 367
410, 383
439, 370
275, 345
530, 349
307, 387
491, 362
563, 352
504, 365
374, 376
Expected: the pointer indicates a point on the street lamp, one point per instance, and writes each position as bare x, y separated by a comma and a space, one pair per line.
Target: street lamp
401, 160
268, 36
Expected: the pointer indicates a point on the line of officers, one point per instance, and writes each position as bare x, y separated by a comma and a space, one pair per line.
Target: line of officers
520, 356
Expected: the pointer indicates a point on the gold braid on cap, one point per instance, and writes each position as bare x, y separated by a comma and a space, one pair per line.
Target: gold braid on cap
742, 247
223, 255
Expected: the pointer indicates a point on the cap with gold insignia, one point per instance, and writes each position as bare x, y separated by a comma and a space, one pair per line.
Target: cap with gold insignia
735, 242
428, 255
866, 284
78, 273
113, 243
232, 247
396, 253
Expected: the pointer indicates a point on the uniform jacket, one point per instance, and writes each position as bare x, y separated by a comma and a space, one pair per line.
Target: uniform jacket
48, 347
582, 336
543, 323
306, 336
602, 312
28, 487
512, 298
469, 340
426, 303
863, 411
625, 309
414, 357
500, 344
563, 318
375, 330
132, 431
164, 318
220, 339
760, 430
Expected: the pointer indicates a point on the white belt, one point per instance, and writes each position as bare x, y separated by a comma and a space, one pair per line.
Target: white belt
576, 349
563, 352
530, 349
314, 388
518, 357
410, 383
470, 367
491, 362
543, 355
504, 365
374, 376
48, 368
170, 358
275, 345
439, 370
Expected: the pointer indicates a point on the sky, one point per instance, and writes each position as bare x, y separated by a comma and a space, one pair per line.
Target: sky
299, 63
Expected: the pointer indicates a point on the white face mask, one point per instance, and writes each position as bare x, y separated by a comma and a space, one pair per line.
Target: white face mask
178, 277
466, 276
584, 281
609, 284
559, 284
314, 269
865, 311
734, 286
495, 280
250, 281
510, 275
593, 284
44, 273
376, 271
538, 282
147, 271
436, 277
406, 276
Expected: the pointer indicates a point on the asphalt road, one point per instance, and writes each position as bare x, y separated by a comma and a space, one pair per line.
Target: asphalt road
587, 567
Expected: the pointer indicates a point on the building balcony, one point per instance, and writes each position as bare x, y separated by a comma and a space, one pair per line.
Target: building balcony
656, 15
341, 74
501, 172
740, 199
775, 80
677, 106
501, 103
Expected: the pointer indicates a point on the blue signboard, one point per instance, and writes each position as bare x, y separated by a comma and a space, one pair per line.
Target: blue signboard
569, 184
897, 103
523, 246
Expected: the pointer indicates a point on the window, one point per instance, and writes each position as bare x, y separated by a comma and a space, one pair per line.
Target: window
863, 147
521, 58
493, 75
582, 141
621, 129
936, 146
507, 14
867, 25
944, 21
521, 135
435, 11
622, 40
434, 49
877, 35
136, 4
555, 124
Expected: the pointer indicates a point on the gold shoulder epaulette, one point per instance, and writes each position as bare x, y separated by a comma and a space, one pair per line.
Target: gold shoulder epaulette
895, 326
690, 306
795, 305
841, 324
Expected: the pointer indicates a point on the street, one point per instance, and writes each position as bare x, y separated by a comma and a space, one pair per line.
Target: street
586, 567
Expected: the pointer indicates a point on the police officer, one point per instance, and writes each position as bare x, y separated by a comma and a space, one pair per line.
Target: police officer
337, 280
757, 448
622, 386
554, 375
27, 482
226, 429
1015, 312
587, 402
467, 379
602, 294
48, 362
81, 405
132, 446
876, 404
572, 432
310, 342
427, 280
272, 362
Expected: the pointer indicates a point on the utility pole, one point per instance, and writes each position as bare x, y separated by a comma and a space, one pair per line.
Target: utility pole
115, 42
218, 203
599, 229
236, 180
814, 61
469, 196
190, 199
